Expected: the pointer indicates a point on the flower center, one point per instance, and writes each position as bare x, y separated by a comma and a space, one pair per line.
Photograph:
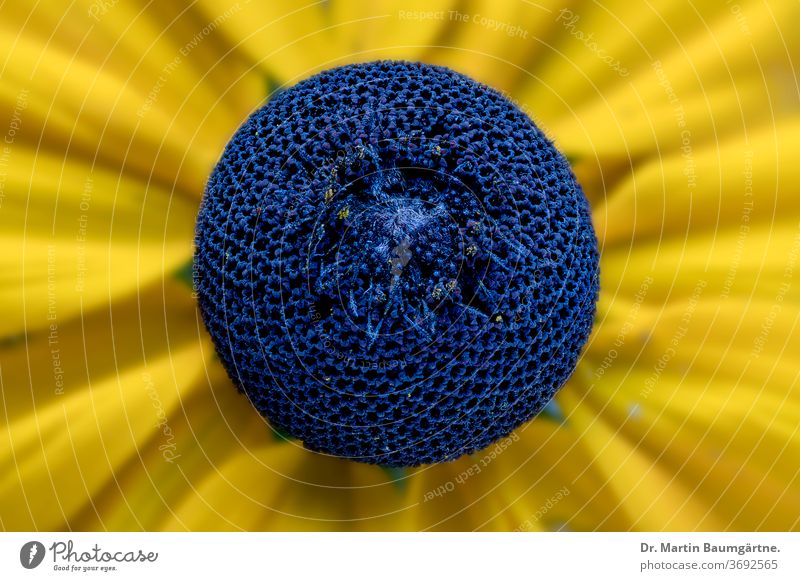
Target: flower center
395, 265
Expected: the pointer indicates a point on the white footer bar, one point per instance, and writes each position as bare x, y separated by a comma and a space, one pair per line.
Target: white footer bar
400, 556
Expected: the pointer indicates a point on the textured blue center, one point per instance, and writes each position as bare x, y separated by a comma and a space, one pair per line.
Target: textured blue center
394, 263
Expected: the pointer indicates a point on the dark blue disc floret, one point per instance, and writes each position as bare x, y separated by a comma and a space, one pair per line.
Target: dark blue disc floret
395, 264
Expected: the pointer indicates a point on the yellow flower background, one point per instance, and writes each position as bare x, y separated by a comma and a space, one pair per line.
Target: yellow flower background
682, 122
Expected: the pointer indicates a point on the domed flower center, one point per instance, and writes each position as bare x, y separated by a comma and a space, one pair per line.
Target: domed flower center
396, 266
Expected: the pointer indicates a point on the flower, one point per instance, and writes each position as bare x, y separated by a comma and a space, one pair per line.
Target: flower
395, 265
681, 125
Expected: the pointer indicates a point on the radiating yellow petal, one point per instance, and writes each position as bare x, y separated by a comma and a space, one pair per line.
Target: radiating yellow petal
731, 186
76, 237
245, 492
213, 423
649, 495
594, 47
81, 404
495, 42
394, 29
688, 69
539, 479
700, 120
704, 387
746, 263
289, 40
275, 485
123, 91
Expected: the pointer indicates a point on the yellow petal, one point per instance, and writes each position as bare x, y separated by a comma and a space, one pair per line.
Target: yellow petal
385, 500
744, 263
728, 186
234, 474
123, 91
75, 238
392, 29
495, 42
648, 494
287, 39
539, 479
88, 401
703, 388
596, 48
213, 423
245, 493
687, 69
